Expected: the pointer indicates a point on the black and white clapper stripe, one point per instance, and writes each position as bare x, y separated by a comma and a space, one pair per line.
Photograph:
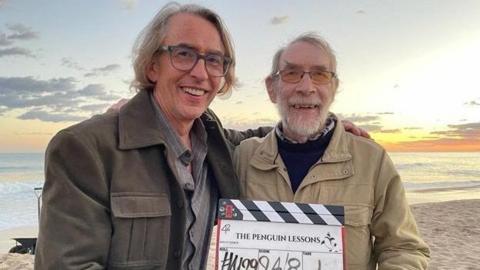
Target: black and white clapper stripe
284, 212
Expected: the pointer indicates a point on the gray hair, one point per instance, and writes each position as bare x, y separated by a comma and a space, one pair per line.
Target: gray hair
152, 36
313, 39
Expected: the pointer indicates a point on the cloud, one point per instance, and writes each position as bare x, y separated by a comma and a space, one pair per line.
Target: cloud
431, 137
371, 127
52, 100
34, 133
23, 85
466, 126
4, 40
93, 90
458, 137
102, 70
50, 117
238, 84
2, 3
356, 118
412, 128
472, 103
96, 107
129, 4
68, 62
465, 131
17, 32
385, 113
435, 144
16, 51
108, 68
278, 20
21, 32
55, 101
109, 97
391, 131
3, 109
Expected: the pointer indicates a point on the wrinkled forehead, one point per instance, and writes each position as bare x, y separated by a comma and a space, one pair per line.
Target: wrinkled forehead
306, 56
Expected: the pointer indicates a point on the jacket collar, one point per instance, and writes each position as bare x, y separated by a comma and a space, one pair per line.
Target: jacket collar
338, 148
137, 123
138, 127
266, 156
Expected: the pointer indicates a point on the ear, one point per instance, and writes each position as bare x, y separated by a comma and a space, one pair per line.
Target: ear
151, 72
269, 84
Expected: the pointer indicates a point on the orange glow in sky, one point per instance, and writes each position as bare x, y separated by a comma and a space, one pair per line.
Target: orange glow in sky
414, 88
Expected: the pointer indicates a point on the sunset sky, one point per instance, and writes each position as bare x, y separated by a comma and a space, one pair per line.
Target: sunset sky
409, 70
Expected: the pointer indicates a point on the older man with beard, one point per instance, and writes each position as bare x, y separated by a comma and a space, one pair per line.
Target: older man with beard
309, 158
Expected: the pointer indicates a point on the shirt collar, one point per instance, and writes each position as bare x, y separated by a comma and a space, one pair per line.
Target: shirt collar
180, 151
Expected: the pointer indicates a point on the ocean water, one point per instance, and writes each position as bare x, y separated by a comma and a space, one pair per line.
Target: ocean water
21, 173
435, 171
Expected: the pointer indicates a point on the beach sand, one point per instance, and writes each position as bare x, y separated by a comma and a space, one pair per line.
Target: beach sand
6, 241
451, 228
15, 261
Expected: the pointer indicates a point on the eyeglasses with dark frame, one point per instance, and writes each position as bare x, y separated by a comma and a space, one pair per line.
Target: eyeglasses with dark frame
184, 58
296, 75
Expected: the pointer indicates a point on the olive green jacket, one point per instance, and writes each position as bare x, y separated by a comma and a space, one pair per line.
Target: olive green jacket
356, 173
110, 199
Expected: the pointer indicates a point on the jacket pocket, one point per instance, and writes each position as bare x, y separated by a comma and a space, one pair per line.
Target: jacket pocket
358, 237
141, 230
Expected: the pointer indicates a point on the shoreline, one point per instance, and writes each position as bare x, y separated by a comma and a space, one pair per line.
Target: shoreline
443, 195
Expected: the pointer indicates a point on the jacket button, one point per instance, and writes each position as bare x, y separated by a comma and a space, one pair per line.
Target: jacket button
177, 253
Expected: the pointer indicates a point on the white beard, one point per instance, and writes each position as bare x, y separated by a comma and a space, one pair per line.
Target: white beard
294, 123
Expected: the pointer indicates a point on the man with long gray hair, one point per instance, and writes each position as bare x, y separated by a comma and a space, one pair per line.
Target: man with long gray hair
138, 189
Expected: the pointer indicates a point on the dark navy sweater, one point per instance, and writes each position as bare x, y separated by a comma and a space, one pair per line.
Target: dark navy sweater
299, 157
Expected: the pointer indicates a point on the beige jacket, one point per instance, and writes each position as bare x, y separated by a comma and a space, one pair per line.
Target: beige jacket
354, 172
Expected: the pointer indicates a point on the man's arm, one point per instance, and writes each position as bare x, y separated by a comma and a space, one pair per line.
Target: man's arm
235, 136
75, 227
398, 244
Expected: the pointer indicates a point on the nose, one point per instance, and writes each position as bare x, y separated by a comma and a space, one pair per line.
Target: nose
199, 70
305, 85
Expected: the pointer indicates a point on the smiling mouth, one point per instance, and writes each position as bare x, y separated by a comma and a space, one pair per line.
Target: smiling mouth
194, 91
304, 106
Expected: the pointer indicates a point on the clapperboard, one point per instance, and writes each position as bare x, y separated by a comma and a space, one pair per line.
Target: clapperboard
266, 235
